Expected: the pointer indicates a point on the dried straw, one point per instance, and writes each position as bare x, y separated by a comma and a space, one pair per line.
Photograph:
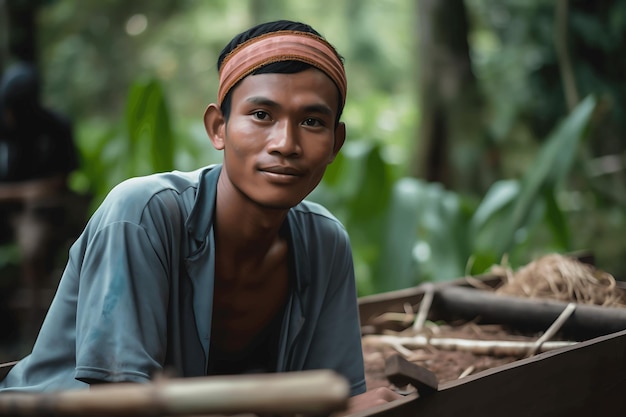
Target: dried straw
563, 278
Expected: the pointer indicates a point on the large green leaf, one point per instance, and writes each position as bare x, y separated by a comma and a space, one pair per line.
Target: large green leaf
443, 227
548, 170
151, 144
425, 237
500, 195
397, 267
555, 219
373, 191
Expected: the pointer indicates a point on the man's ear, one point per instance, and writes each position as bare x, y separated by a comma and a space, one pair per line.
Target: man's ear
215, 125
340, 138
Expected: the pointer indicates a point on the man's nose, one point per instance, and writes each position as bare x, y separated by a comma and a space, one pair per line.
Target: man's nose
285, 139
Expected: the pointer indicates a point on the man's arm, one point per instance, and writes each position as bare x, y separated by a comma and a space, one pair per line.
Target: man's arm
122, 305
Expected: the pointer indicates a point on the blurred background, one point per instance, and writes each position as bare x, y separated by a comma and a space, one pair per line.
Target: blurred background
480, 132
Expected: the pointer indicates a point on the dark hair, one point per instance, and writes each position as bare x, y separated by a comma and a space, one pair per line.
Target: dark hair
283, 67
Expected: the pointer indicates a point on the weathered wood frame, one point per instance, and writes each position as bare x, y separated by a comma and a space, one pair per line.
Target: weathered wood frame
585, 379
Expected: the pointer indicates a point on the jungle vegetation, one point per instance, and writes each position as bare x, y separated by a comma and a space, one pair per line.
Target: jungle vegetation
480, 132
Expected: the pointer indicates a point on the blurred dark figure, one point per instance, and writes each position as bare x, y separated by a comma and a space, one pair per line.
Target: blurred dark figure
36, 142
37, 154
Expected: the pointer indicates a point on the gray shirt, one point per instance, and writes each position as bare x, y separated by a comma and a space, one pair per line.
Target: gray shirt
136, 295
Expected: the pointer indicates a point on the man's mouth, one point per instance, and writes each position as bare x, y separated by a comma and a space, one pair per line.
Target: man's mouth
282, 170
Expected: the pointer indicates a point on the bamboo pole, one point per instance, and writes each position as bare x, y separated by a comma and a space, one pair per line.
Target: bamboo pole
315, 392
404, 344
422, 314
553, 329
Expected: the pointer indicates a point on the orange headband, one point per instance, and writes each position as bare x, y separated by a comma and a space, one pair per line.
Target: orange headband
277, 47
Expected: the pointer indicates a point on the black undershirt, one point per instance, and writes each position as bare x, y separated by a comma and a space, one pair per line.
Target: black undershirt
260, 356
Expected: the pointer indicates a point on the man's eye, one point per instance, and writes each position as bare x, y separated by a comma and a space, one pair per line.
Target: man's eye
261, 115
312, 122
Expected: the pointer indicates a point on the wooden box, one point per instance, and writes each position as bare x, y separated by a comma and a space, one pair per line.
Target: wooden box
586, 378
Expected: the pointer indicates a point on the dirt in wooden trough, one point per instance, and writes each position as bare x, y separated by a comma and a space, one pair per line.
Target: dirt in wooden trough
447, 365
553, 276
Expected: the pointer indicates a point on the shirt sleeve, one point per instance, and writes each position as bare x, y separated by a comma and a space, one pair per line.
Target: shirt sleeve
336, 343
121, 320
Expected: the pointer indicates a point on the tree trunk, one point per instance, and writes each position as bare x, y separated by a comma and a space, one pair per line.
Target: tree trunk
22, 29
450, 144
4, 34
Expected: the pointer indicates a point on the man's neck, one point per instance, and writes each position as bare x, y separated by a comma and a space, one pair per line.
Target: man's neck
243, 228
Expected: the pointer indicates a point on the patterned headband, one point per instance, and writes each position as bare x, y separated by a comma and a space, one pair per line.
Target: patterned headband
277, 47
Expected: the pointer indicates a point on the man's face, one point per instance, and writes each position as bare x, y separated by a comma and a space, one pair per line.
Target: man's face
281, 135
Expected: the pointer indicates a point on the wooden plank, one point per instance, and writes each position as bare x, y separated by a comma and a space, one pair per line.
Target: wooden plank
393, 301
401, 372
587, 379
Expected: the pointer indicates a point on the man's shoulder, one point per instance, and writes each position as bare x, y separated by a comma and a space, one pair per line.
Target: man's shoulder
142, 189
146, 187
313, 217
315, 211
129, 199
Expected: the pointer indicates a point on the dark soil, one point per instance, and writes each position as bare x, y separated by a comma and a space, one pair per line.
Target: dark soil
446, 365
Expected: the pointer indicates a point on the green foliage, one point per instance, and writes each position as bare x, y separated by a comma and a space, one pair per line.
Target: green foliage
425, 232
403, 230
143, 145
148, 123
425, 236
542, 179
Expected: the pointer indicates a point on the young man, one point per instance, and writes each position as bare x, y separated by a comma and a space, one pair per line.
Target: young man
224, 270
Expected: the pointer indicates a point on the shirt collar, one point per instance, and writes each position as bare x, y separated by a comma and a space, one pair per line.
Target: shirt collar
200, 218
